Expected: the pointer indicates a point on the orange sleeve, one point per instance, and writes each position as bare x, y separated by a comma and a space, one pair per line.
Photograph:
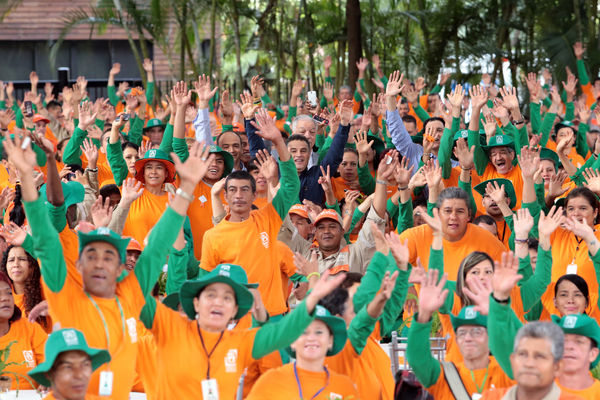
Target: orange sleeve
38, 342
411, 236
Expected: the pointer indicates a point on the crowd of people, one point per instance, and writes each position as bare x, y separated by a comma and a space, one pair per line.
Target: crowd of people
200, 246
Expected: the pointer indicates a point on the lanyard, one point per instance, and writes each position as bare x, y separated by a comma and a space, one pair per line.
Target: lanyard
300, 386
503, 231
480, 388
206, 352
113, 354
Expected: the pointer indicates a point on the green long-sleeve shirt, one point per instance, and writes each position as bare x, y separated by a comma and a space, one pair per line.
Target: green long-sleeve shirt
114, 99
418, 353
405, 216
116, 162
502, 324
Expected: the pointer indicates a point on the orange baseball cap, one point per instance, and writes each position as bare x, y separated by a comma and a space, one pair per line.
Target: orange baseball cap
329, 214
300, 210
133, 245
39, 117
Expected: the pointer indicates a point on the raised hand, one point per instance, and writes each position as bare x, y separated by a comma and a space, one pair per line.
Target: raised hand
592, 178
363, 145
346, 113
431, 295
194, 168
267, 165
523, 223
381, 244
478, 97
325, 180
456, 98
394, 86
534, 87
322, 288
34, 79
6, 197
362, 64
496, 192
305, 266
327, 62
91, 152
180, 94
403, 173
226, 104
399, 250
132, 189
547, 224
435, 223
101, 212
328, 91
20, 154
115, 70
147, 65
13, 234
86, 117
256, 86
555, 185
464, 155
433, 175
509, 98
265, 126
479, 292
584, 112
579, 228
387, 166
570, 87
297, 88
579, 50
506, 275
203, 90
500, 111
411, 93
529, 161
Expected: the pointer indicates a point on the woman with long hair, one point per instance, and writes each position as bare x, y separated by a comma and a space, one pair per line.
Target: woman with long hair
24, 273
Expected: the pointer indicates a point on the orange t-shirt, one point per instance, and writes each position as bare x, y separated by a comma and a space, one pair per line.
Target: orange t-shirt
574, 156
146, 363
474, 239
200, 214
252, 245
280, 383
498, 394
593, 392
340, 186
514, 175
71, 308
20, 304
260, 202
371, 371
50, 396
27, 351
182, 362
496, 378
144, 213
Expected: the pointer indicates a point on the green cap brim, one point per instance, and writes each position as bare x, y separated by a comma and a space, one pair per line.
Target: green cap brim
73, 192
227, 158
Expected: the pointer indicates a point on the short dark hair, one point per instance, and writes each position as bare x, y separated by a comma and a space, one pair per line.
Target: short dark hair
107, 190
486, 219
241, 175
409, 118
454, 192
351, 150
335, 302
53, 104
532, 243
130, 145
297, 137
75, 168
432, 119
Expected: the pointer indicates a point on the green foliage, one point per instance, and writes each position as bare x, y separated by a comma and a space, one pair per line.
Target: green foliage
4, 364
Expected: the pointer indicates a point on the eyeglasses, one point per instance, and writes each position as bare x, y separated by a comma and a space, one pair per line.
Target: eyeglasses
475, 332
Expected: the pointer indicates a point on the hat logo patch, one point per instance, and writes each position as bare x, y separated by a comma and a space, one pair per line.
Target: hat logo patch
152, 153
570, 321
321, 312
103, 230
224, 273
470, 313
70, 338
499, 139
29, 359
132, 329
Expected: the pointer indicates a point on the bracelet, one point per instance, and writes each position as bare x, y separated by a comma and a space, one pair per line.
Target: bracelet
403, 188
92, 169
380, 182
520, 240
518, 122
505, 301
318, 275
186, 196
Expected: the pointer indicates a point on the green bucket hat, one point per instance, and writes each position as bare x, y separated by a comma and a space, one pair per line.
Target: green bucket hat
40, 156
580, 324
547, 154
214, 149
468, 316
153, 123
103, 234
73, 192
378, 144
337, 327
62, 341
230, 274
500, 141
509, 189
155, 155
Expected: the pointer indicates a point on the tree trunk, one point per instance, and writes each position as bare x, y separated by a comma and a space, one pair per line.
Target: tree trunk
309, 23
213, 39
295, 47
235, 17
280, 13
353, 33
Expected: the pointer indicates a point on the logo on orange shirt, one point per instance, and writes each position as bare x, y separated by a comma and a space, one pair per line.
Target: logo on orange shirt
264, 237
29, 359
335, 396
132, 329
231, 360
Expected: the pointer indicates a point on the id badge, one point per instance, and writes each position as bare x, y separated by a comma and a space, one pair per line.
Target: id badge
210, 391
106, 383
572, 268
